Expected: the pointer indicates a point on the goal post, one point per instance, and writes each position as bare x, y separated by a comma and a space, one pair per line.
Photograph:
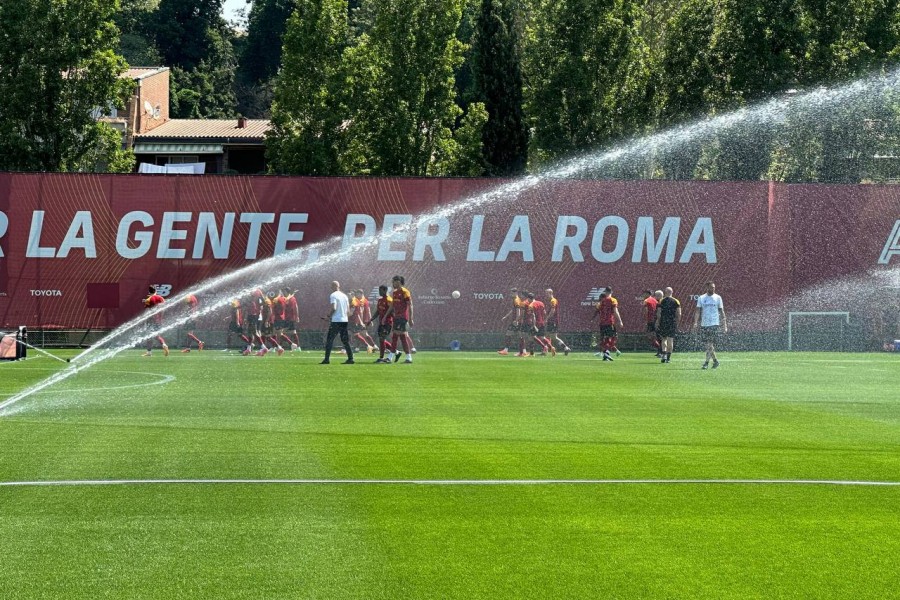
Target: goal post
838, 319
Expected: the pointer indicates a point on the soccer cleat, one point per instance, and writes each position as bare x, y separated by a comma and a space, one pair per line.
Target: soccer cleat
413, 350
408, 361
349, 361
527, 354
246, 351
262, 351
147, 353
715, 364
552, 351
165, 350
503, 352
544, 352
185, 350
280, 351
325, 362
396, 357
662, 360
566, 351
618, 352
607, 357
705, 365
202, 345
294, 347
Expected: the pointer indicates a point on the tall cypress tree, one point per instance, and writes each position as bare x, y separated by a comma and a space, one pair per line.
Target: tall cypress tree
498, 75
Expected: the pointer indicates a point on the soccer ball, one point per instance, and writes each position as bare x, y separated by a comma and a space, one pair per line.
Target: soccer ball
455, 295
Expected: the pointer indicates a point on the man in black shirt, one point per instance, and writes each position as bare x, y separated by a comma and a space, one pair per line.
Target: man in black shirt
668, 315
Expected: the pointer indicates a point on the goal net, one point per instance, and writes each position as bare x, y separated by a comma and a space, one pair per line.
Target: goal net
818, 331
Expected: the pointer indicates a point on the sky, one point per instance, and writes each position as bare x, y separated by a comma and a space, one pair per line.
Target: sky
230, 6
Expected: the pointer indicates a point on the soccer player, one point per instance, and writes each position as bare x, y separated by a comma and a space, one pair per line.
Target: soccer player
360, 314
277, 320
710, 316
539, 319
668, 315
291, 318
384, 325
402, 312
608, 314
648, 311
150, 302
193, 304
553, 321
236, 325
267, 326
254, 323
515, 316
338, 316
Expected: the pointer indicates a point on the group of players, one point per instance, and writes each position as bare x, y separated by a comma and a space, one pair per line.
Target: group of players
272, 319
531, 322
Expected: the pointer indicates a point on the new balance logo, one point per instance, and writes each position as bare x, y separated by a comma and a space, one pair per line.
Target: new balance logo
891, 246
593, 296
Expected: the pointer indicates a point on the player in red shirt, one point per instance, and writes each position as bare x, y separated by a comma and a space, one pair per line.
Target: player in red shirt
526, 323
402, 312
384, 326
152, 301
360, 315
268, 325
236, 325
553, 320
254, 322
193, 304
608, 313
515, 318
539, 324
648, 311
291, 318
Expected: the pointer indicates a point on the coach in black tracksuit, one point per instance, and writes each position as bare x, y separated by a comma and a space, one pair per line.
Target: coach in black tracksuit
338, 316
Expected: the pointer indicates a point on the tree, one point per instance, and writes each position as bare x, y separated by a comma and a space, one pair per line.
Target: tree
587, 74
136, 39
57, 66
309, 108
266, 24
498, 77
196, 42
402, 110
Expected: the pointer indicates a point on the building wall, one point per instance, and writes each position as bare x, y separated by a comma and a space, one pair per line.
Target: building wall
155, 90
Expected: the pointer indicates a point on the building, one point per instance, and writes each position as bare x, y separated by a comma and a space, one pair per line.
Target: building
147, 108
223, 145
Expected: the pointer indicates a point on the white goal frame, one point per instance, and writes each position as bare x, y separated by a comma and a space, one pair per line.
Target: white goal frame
791, 315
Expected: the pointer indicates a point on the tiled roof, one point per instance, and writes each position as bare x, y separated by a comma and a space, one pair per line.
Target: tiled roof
208, 129
141, 72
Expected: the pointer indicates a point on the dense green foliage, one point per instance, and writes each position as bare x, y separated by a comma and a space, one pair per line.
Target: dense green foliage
54, 79
453, 416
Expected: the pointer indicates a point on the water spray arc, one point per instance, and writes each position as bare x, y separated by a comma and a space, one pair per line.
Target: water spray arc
295, 263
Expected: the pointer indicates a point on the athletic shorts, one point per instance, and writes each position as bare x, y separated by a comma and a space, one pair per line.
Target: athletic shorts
608, 331
709, 335
651, 327
253, 324
552, 327
235, 328
527, 329
267, 328
667, 330
282, 324
289, 325
512, 327
541, 331
400, 325
356, 327
384, 331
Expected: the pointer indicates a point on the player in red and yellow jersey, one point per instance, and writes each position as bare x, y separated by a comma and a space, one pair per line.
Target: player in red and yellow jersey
607, 311
291, 318
193, 304
538, 312
268, 318
553, 320
360, 314
526, 326
385, 324
402, 312
515, 318
151, 301
236, 325
648, 310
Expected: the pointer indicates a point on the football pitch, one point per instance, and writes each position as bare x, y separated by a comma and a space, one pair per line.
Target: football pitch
463, 475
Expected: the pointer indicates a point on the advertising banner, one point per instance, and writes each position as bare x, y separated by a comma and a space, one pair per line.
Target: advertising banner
78, 251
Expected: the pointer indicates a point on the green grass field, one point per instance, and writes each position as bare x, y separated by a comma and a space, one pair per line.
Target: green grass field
466, 416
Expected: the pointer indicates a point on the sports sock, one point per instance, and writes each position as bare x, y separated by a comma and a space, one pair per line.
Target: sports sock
370, 340
288, 338
361, 338
394, 338
407, 344
540, 342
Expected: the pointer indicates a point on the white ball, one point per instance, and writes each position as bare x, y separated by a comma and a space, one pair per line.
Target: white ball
455, 295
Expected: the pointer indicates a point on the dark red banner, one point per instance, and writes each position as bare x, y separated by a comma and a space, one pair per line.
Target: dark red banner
80, 250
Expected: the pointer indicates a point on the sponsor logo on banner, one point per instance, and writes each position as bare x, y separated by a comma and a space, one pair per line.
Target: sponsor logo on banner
593, 296
891, 246
163, 289
488, 296
47, 293
435, 297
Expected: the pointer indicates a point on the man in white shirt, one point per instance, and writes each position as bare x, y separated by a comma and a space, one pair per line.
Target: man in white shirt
710, 316
338, 315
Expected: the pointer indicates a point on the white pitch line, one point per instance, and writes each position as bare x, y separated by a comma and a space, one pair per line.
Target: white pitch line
446, 482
